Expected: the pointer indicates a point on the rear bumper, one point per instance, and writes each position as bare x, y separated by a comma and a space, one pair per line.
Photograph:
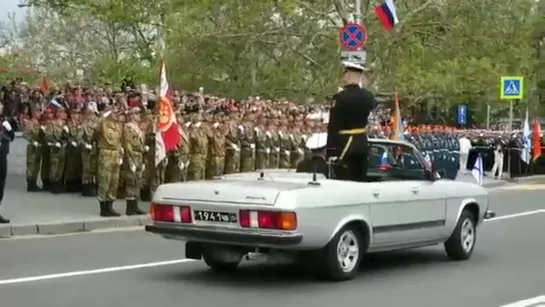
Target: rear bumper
232, 237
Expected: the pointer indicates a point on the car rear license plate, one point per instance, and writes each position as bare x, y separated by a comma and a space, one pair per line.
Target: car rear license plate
215, 216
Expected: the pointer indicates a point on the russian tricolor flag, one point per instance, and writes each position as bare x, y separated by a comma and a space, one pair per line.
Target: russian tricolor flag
386, 13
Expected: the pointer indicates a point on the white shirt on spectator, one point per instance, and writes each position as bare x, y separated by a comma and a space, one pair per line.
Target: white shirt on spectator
465, 145
92, 106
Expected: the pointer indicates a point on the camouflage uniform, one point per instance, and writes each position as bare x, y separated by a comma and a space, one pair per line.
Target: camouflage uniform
247, 149
274, 141
216, 152
133, 167
179, 157
56, 139
110, 157
297, 153
198, 150
232, 150
46, 129
262, 149
285, 148
73, 167
88, 156
148, 127
32, 134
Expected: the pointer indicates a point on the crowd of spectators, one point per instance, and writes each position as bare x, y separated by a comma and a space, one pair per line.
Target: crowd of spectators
22, 100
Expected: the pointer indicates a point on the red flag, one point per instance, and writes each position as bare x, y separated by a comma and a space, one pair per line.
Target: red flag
44, 86
167, 136
536, 140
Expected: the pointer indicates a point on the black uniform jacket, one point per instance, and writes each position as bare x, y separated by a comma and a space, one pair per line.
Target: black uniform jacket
347, 128
314, 164
5, 138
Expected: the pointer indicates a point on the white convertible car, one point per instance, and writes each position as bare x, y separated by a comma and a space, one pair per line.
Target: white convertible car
327, 224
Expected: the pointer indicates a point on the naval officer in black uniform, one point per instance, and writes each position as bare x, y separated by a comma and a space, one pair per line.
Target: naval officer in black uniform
347, 129
317, 162
6, 136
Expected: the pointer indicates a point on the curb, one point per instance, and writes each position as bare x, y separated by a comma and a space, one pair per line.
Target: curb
11, 230
526, 179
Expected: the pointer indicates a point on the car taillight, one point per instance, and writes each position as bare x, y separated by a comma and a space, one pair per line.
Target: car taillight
169, 213
268, 219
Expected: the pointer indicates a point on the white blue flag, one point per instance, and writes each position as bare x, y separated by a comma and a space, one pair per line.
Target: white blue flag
478, 170
527, 141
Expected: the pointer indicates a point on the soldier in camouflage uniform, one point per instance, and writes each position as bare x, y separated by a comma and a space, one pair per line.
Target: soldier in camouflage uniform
179, 157
198, 151
274, 142
46, 129
109, 134
133, 167
89, 153
247, 146
215, 163
296, 152
57, 140
232, 148
285, 146
73, 167
32, 134
147, 125
262, 146
121, 118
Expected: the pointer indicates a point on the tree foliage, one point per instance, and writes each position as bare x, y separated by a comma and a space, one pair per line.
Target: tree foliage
456, 50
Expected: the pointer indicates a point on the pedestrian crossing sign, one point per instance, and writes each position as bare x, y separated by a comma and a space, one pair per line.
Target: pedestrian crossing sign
511, 88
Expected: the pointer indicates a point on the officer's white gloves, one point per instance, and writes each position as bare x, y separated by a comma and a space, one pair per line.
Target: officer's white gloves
7, 125
65, 128
252, 146
146, 148
268, 150
133, 168
235, 147
42, 127
74, 144
120, 161
181, 166
58, 145
36, 144
89, 146
268, 134
143, 168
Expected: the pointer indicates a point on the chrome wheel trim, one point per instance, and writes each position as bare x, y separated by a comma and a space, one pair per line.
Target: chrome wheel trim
348, 251
467, 235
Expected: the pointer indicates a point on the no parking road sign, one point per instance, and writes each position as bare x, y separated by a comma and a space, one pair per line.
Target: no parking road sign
512, 88
352, 36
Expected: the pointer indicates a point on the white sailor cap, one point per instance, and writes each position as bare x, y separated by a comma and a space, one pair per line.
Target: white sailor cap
353, 66
317, 141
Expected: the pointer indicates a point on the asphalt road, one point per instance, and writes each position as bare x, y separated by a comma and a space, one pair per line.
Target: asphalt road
136, 269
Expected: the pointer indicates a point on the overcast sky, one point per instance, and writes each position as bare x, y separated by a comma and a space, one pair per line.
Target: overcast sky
10, 6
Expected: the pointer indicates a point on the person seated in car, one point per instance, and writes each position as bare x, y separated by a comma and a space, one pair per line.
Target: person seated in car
317, 163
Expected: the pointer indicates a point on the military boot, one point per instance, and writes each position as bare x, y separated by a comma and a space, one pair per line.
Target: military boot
132, 208
32, 186
86, 190
4, 220
111, 211
145, 194
103, 208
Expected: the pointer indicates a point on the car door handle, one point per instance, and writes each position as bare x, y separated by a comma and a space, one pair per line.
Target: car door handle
415, 190
376, 193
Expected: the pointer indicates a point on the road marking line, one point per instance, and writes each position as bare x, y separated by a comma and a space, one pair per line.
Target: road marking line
180, 261
514, 215
93, 272
535, 301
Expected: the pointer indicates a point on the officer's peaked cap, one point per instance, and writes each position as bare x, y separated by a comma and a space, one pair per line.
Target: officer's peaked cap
351, 66
317, 141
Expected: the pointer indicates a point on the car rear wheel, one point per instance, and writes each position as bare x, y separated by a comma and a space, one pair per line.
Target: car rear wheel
461, 243
341, 258
214, 261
